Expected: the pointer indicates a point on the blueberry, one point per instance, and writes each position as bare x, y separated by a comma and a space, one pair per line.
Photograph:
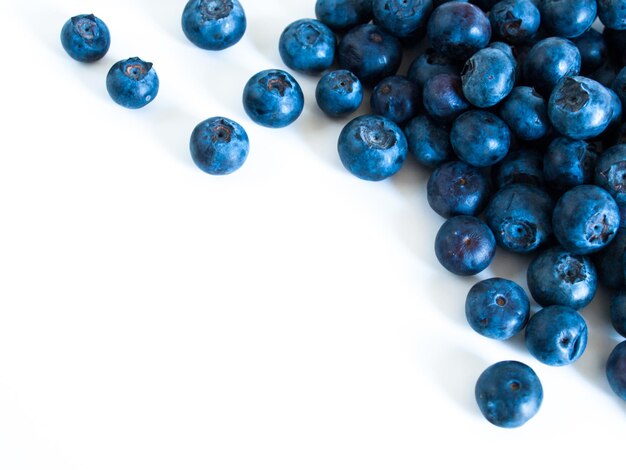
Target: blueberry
612, 13
605, 74
610, 262
497, 308
429, 141
480, 138
520, 166
556, 335
341, 15
85, 38
443, 97
593, 50
619, 86
487, 77
616, 40
372, 147
558, 277
514, 21
307, 46
396, 98
273, 98
610, 172
214, 24
585, 219
548, 61
526, 113
568, 19
219, 146
458, 29
519, 215
402, 18
431, 63
508, 394
132, 83
568, 163
616, 370
339, 93
618, 312
465, 245
370, 53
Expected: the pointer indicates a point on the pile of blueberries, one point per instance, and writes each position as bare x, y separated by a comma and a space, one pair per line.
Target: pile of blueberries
515, 105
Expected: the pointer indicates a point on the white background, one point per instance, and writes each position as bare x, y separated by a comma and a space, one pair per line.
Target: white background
288, 316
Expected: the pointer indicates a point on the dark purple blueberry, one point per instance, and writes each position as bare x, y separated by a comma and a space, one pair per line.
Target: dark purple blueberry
618, 312
514, 21
429, 64
593, 50
480, 138
396, 98
526, 113
520, 166
443, 98
429, 141
568, 163
548, 61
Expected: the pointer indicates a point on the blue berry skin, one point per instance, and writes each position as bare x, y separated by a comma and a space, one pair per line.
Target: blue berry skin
616, 370
372, 147
458, 30
480, 138
339, 93
341, 15
214, 25
396, 98
429, 141
568, 19
508, 394
585, 219
605, 74
610, 172
519, 216
514, 21
526, 113
456, 188
616, 40
619, 86
465, 245
593, 50
497, 308
520, 166
273, 98
610, 262
618, 312
307, 46
568, 163
403, 18
580, 108
487, 77
612, 13
558, 277
429, 64
443, 98
132, 83
548, 61
219, 146
85, 38
556, 335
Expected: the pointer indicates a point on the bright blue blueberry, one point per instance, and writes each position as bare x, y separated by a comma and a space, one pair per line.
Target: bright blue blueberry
568, 163
548, 61
520, 166
526, 113
612, 13
443, 98
616, 370
585, 219
273, 98
372, 147
85, 38
558, 277
568, 19
341, 15
514, 21
616, 40
487, 77
610, 262
508, 394
465, 245
556, 335
396, 98
429, 141
480, 138
429, 64
456, 188
497, 308
402, 18
307, 46
593, 50
519, 216
458, 29
132, 83
618, 312
619, 86
610, 172
214, 24
339, 93
218, 146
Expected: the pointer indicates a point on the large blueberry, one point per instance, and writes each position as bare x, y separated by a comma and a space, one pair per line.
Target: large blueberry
341, 15
372, 147
214, 24
526, 113
514, 21
132, 83
431, 63
402, 18
443, 97
568, 163
612, 13
85, 38
568, 18
593, 50
548, 61
396, 98
487, 77
618, 312
465, 245
480, 138
616, 370
429, 141
508, 394
339, 93
307, 46
219, 146
273, 98
611, 172
520, 166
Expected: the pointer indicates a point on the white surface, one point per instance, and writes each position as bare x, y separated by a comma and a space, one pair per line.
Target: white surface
288, 316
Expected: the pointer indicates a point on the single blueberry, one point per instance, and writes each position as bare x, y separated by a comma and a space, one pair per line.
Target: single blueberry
610, 172
85, 38
307, 46
273, 98
514, 21
339, 93
214, 24
568, 163
568, 19
487, 77
520, 166
396, 98
480, 138
508, 394
402, 18
526, 113
372, 147
341, 15
616, 370
443, 98
132, 83
218, 146
618, 312
429, 141
548, 61
611, 262
431, 63
593, 50
612, 13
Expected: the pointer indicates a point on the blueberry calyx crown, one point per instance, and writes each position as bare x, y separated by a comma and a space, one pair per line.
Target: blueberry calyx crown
222, 131
308, 34
571, 269
85, 26
574, 96
276, 81
136, 68
376, 136
215, 9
